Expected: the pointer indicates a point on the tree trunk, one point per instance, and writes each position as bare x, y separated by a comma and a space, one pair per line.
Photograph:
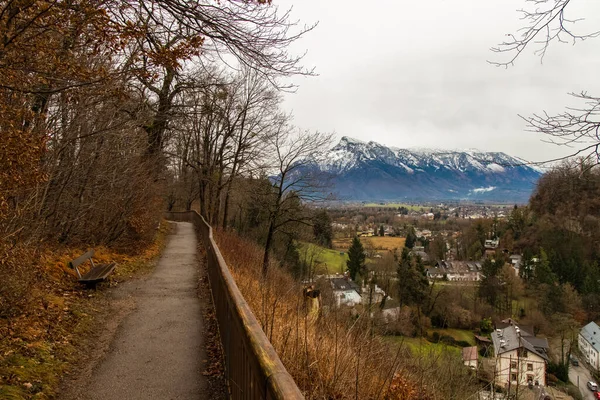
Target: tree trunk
226, 207
268, 245
156, 129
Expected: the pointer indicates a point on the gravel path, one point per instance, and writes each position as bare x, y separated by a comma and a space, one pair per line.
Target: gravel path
157, 351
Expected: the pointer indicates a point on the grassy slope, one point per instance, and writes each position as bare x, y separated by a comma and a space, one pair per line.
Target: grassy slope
421, 346
321, 352
457, 334
328, 260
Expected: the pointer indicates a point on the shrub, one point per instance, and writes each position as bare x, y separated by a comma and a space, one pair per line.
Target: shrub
447, 339
552, 379
559, 370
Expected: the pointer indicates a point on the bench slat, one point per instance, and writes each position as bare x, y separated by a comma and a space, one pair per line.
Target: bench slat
98, 273
81, 259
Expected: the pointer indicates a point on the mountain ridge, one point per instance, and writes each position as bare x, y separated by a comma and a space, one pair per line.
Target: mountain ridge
371, 171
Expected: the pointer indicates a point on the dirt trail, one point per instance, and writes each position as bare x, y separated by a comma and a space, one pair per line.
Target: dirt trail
157, 351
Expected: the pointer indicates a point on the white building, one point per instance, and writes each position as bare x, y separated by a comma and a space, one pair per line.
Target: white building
345, 291
589, 343
372, 294
491, 244
426, 233
515, 261
520, 357
455, 271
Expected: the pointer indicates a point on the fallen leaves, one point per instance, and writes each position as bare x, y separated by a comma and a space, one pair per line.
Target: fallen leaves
38, 338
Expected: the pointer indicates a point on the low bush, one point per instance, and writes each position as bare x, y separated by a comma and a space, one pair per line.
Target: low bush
447, 339
559, 370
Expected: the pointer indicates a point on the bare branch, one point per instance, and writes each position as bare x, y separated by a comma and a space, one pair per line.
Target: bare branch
545, 22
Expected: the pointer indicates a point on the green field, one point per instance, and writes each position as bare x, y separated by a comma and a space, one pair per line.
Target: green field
457, 334
327, 260
377, 242
421, 346
396, 205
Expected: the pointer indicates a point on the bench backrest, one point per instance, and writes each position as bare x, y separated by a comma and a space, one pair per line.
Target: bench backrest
81, 259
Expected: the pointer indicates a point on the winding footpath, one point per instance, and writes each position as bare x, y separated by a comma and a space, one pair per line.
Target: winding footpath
157, 351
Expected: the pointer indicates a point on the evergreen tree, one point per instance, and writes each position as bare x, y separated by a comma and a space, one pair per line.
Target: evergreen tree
411, 238
322, 228
412, 282
527, 265
542, 271
490, 285
356, 258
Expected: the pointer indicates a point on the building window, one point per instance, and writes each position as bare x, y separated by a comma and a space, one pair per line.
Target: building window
529, 367
522, 353
530, 380
513, 377
513, 365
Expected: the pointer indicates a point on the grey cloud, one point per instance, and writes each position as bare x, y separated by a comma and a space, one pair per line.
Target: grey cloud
416, 74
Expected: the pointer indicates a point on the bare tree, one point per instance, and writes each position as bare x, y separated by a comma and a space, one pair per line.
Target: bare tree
221, 135
167, 36
253, 117
575, 127
547, 22
296, 178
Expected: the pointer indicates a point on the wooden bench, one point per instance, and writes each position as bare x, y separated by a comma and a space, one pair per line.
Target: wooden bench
97, 273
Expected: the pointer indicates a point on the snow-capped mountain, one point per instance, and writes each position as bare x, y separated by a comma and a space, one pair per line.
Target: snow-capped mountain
371, 171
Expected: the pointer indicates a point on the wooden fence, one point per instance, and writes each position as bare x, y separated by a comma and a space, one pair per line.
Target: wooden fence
252, 367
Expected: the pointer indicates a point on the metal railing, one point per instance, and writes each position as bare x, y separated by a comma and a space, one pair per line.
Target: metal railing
252, 367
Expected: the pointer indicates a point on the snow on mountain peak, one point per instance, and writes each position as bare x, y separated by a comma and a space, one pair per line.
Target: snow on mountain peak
350, 152
369, 171
348, 140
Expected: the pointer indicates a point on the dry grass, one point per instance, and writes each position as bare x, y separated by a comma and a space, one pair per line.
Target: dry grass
331, 354
45, 313
378, 242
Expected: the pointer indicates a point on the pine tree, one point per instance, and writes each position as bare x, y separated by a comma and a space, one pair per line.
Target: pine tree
356, 258
542, 272
489, 284
412, 282
411, 238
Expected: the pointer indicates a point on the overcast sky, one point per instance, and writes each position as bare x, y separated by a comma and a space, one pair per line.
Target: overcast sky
415, 73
